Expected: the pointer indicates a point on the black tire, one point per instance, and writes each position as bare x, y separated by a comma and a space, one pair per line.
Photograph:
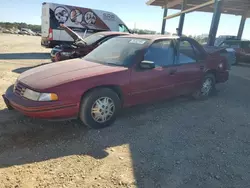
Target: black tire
199, 95
89, 100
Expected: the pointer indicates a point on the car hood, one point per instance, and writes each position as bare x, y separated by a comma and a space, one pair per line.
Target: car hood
54, 74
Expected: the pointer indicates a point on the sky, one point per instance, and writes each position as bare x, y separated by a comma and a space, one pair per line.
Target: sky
135, 13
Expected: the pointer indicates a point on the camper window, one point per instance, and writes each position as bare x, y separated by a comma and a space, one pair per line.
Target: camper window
123, 28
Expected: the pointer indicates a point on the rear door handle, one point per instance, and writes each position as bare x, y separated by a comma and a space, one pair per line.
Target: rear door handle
202, 67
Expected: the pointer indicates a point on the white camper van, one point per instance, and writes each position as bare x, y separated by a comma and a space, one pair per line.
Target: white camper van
84, 21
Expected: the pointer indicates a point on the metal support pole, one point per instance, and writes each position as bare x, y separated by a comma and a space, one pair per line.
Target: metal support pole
164, 21
215, 22
182, 18
242, 25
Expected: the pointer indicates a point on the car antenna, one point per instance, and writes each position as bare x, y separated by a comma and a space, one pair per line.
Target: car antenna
85, 32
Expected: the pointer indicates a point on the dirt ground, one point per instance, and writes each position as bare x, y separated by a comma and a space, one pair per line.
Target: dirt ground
174, 144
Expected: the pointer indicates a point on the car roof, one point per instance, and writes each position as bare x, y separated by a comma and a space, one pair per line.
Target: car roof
152, 37
112, 33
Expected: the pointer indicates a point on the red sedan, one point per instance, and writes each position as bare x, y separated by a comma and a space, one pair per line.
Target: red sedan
124, 71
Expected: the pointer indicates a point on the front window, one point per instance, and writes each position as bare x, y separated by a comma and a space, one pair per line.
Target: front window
119, 51
187, 54
161, 53
93, 38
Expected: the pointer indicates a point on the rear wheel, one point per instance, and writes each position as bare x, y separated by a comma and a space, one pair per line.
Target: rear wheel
99, 108
207, 87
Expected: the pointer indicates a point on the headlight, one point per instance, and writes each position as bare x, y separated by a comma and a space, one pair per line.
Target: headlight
32, 95
36, 96
66, 53
48, 97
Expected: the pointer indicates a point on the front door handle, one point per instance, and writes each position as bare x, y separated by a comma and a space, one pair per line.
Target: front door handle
172, 71
202, 67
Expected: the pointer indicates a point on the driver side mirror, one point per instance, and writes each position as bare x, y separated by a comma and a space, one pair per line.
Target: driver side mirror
147, 65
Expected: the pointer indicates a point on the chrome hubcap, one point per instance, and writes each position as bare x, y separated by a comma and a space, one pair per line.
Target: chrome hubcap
206, 86
103, 109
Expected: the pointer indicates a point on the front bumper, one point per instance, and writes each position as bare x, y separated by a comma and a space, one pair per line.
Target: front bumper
36, 109
58, 57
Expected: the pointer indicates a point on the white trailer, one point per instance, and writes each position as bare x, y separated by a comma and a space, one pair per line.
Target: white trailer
84, 21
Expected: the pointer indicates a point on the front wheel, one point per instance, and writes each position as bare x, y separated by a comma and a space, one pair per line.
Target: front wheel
99, 108
207, 87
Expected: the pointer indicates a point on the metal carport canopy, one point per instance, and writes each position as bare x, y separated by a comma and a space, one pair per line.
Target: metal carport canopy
234, 7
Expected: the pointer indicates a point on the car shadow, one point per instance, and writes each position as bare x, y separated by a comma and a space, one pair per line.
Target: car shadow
35, 55
52, 139
23, 69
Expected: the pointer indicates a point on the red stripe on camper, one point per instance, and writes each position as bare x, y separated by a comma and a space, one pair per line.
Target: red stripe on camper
98, 24
90, 19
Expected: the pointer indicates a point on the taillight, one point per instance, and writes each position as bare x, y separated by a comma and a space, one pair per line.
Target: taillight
50, 34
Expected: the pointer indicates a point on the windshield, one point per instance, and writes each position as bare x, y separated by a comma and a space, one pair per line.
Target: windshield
218, 41
93, 38
117, 51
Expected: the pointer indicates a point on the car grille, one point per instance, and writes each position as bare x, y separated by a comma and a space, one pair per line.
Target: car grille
53, 52
19, 89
